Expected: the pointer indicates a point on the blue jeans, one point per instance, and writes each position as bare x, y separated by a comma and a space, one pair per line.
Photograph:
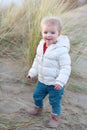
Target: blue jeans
55, 97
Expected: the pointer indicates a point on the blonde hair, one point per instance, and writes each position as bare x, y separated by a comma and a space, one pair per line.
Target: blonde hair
53, 21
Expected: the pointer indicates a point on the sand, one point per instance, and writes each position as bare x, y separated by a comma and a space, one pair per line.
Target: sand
16, 100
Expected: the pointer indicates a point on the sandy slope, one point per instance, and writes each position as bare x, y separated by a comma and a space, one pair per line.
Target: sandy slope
16, 100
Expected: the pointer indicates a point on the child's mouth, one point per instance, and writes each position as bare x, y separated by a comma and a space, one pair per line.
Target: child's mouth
48, 39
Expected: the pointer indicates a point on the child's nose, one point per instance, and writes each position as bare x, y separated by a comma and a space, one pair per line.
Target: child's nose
48, 34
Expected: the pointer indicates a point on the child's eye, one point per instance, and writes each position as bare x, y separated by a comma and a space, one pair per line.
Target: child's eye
52, 32
45, 32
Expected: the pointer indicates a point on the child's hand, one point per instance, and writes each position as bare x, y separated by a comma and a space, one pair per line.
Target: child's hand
28, 77
57, 87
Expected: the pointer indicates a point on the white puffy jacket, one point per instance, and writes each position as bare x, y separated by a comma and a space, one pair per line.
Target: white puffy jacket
54, 66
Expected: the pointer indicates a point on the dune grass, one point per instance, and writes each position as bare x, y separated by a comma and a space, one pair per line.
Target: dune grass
20, 28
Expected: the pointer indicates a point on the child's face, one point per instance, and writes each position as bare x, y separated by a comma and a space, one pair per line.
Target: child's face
50, 33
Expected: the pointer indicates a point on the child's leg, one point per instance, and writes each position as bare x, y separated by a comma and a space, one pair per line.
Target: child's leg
39, 94
55, 99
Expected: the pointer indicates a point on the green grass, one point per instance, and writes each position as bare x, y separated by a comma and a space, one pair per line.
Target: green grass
77, 88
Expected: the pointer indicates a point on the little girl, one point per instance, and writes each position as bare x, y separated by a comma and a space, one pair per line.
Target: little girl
52, 64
